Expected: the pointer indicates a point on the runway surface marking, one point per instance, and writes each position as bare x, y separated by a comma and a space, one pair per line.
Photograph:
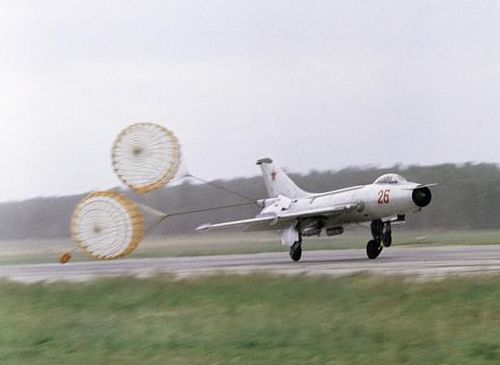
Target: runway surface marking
420, 262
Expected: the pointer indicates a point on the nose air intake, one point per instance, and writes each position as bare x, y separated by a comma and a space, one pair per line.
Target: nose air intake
422, 197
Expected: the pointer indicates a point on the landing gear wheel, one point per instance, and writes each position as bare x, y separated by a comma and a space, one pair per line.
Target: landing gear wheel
387, 238
296, 251
373, 249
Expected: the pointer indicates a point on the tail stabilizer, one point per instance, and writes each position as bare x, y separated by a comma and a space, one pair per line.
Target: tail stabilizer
277, 181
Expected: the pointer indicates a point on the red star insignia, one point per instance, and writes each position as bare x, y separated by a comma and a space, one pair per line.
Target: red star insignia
273, 175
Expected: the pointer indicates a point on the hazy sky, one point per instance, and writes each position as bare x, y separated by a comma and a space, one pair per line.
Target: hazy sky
314, 84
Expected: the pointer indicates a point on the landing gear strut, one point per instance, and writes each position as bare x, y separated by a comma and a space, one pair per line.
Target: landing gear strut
296, 248
387, 235
382, 236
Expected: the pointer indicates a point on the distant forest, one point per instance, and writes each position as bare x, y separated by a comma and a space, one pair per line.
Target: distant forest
468, 198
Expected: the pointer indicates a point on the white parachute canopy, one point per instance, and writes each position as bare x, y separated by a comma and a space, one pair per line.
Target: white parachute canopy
108, 225
146, 157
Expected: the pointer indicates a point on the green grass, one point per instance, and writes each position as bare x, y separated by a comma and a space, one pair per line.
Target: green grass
252, 320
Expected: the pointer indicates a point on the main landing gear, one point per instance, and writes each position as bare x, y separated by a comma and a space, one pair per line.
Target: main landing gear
296, 250
294, 235
382, 237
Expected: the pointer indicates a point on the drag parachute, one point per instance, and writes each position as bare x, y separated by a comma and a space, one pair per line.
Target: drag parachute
107, 225
146, 157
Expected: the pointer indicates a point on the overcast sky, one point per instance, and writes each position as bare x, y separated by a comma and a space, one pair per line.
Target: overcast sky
313, 84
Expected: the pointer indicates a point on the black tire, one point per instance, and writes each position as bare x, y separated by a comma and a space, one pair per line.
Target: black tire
373, 249
387, 239
296, 252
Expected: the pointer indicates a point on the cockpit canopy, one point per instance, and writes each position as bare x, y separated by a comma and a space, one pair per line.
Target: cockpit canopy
390, 179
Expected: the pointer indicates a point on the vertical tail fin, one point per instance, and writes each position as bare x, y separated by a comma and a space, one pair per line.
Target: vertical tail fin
277, 181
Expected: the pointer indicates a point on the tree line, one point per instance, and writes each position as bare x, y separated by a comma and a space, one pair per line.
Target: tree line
468, 197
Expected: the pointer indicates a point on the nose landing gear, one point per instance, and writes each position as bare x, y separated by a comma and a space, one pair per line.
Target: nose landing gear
373, 249
387, 235
382, 237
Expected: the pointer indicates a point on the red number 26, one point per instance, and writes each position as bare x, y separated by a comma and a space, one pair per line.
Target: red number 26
383, 196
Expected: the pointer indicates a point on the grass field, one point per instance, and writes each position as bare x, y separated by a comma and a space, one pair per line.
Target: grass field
30, 251
252, 320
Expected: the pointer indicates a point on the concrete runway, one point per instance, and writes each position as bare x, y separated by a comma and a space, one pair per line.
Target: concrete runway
421, 263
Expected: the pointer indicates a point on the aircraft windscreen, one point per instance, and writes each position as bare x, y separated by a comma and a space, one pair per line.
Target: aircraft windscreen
390, 179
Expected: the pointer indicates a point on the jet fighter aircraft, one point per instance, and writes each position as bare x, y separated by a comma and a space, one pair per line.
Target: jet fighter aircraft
297, 213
